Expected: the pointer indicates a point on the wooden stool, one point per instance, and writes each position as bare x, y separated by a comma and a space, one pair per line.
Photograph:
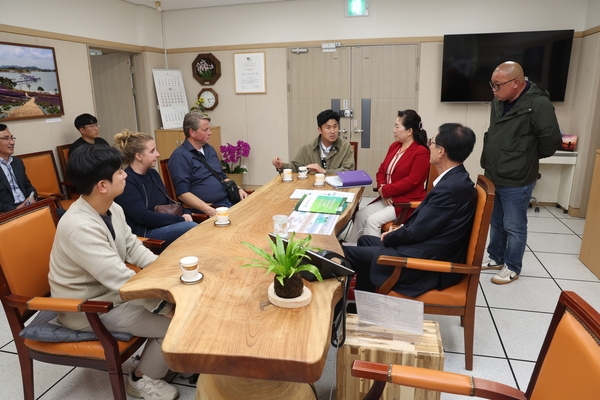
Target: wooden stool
429, 353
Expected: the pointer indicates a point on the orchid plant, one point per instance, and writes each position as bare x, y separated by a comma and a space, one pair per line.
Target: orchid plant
232, 155
205, 68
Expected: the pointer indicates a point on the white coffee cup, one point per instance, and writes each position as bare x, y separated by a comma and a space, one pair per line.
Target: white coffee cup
280, 225
319, 179
302, 172
222, 215
287, 174
189, 267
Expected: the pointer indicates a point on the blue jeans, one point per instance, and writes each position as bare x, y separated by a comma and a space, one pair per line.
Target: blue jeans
171, 232
508, 231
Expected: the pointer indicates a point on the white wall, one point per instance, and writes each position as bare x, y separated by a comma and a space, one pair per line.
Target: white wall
592, 17
323, 20
109, 20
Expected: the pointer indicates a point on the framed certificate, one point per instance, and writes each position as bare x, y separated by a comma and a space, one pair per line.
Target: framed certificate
250, 73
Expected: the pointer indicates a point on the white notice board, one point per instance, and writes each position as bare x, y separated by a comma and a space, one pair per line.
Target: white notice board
172, 100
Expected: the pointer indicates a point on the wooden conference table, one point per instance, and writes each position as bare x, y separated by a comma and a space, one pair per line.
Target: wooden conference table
224, 325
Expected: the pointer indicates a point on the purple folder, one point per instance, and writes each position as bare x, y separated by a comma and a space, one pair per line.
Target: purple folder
354, 178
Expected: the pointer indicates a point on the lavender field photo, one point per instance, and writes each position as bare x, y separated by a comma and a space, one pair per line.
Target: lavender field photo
29, 85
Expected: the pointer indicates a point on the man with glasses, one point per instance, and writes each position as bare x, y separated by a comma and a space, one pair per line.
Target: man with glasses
327, 154
439, 229
523, 129
88, 127
15, 189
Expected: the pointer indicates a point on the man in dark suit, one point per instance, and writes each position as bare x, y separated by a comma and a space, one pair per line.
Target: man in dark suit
15, 187
439, 229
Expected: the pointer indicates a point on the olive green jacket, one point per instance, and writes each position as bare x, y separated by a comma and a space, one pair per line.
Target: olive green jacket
340, 158
515, 142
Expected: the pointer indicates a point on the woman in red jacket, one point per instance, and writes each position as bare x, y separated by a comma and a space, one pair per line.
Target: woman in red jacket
400, 178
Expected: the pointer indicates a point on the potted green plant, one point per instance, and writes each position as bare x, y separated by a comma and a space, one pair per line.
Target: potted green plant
286, 264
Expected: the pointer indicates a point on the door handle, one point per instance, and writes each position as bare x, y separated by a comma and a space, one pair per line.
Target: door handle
343, 130
358, 131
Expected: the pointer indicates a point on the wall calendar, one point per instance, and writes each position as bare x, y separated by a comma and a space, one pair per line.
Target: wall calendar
172, 101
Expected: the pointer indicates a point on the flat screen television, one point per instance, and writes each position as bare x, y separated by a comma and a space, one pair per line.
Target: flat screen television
470, 59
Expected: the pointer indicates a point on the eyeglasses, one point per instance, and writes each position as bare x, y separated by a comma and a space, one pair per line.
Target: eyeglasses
8, 138
496, 86
92, 126
430, 142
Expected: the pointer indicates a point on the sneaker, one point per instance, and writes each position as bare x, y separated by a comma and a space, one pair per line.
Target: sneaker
488, 264
505, 276
150, 389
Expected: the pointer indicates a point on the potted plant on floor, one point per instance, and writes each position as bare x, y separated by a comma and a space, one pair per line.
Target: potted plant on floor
286, 262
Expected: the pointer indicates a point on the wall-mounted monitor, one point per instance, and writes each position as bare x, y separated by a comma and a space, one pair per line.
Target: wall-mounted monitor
470, 59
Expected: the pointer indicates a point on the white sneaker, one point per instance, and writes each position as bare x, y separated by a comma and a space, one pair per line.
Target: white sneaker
504, 276
150, 389
488, 264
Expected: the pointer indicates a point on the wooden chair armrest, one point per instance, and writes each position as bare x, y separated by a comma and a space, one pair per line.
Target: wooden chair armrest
153, 243
421, 264
423, 378
46, 195
58, 304
199, 217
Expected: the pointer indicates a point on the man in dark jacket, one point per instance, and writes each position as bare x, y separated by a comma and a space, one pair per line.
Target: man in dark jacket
15, 188
439, 229
523, 129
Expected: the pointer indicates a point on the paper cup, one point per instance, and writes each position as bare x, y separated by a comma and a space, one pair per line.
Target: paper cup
189, 267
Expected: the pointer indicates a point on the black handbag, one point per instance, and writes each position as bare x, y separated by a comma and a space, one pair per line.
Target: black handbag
232, 190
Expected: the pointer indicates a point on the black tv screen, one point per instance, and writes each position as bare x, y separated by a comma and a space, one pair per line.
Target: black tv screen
470, 60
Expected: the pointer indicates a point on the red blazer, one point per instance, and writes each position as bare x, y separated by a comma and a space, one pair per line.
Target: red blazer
409, 176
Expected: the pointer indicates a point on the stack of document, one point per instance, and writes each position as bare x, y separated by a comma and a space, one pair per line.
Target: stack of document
316, 203
349, 179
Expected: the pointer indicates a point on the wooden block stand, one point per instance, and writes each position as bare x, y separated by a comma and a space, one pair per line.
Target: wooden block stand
429, 353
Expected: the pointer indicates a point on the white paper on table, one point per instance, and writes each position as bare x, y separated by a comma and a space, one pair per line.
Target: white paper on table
313, 223
298, 193
401, 314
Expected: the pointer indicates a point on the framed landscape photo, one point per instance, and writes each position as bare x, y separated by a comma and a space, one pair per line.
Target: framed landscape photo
29, 85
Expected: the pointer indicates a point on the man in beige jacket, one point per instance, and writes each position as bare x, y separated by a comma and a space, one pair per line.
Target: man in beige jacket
91, 246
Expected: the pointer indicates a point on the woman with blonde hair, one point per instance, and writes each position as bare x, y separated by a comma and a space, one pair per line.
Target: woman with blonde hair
145, 190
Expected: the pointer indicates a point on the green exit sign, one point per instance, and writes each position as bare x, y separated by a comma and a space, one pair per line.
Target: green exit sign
357, 8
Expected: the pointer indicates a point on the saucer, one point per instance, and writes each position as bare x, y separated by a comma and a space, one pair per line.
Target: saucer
316, 184
288, 180
190, 282
222, 225
302, 177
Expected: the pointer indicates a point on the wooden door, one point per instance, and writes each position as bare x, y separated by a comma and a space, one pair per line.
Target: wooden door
372, 81
114, 94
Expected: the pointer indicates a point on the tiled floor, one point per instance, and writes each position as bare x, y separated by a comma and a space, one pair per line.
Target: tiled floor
511, 322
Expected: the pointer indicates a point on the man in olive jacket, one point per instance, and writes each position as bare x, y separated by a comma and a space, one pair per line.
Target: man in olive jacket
523, 129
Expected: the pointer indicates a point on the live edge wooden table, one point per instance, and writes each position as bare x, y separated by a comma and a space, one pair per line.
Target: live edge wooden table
224, 326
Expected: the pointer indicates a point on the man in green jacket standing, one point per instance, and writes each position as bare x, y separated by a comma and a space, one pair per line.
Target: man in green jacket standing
523, 129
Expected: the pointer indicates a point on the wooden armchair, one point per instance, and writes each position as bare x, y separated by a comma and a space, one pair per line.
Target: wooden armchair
63, 157
456, 300
166, 174
27, 236
568, 366
43, 175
